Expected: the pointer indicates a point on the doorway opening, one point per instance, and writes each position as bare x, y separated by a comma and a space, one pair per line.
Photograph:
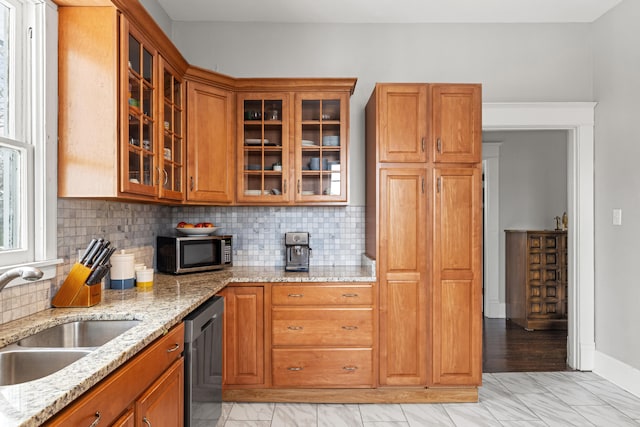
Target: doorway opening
578, 120
525, 191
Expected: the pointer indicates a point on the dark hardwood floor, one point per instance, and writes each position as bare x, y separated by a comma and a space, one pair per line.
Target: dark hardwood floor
507, 347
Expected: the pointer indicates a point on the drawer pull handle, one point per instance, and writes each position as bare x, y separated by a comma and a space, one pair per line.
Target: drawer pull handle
95, 422
349, 295
146, 421
295, 368
295, 328
350, 368
296, 295
174, 348
350, 328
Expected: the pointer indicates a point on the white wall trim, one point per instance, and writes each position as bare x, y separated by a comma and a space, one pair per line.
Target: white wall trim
578, 119
493, 308
619, 373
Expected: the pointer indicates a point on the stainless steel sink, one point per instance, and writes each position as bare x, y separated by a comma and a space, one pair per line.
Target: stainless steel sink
21, 366
84, 333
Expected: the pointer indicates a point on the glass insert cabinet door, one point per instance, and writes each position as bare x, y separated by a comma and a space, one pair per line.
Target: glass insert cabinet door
171, 155
321, 147
263, 148
138, 162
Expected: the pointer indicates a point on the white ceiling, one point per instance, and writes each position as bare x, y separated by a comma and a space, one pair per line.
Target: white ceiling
387, 11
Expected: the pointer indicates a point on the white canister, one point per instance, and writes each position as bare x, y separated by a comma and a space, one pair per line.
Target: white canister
144, 278
122, 270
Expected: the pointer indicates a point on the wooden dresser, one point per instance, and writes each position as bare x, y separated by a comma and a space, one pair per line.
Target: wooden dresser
536, 278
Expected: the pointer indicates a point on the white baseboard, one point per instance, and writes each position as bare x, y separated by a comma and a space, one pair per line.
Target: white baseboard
619, 373
495, 310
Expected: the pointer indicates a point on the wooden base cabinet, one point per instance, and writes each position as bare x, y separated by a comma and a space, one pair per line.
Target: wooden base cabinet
322, 335
536, 278
303, 335
244, 345
149, 387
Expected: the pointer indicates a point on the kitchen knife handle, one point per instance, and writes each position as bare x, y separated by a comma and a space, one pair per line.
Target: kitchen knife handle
88, 250
93, 252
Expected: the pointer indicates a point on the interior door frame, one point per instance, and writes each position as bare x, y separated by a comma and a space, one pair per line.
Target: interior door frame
577, 118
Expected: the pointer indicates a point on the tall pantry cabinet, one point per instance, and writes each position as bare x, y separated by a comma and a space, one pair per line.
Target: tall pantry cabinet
423, 226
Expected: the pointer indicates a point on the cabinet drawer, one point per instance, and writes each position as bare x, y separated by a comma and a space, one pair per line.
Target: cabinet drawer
341, 367
322, 294
114, 394
322, 326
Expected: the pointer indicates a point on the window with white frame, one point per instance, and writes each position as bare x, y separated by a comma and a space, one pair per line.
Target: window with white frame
26, 166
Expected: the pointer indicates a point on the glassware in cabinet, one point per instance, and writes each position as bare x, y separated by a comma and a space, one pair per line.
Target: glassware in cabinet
139, 158
321, 152
171, 154
264, 152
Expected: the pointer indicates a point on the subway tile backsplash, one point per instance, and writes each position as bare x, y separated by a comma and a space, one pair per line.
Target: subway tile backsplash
337, 238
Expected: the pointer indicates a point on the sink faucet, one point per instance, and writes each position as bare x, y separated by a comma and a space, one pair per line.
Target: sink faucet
27, 273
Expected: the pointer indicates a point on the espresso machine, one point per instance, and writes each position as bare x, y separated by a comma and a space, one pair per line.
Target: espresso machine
297, 251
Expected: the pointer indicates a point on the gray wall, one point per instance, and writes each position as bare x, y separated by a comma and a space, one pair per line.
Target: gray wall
617, 181
159, 15
513, 62
533, 182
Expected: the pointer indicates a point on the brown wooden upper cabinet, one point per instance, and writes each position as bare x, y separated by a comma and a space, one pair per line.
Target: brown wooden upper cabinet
210, 159
263, 145
137, 122
403, 125
292, 143
321, 147
414, 120
120, 107
456, 111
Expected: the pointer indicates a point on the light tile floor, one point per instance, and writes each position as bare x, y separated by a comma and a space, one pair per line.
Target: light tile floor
506, 399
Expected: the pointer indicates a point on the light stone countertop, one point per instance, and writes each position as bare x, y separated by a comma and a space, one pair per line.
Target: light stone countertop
165, 305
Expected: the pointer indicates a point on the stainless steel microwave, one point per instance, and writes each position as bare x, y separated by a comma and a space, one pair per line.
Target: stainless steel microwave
188, 254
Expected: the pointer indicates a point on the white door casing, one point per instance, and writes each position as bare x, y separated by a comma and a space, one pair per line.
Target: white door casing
492, 307
578, 119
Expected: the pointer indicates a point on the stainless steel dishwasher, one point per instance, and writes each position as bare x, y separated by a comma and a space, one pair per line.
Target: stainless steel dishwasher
203, 364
